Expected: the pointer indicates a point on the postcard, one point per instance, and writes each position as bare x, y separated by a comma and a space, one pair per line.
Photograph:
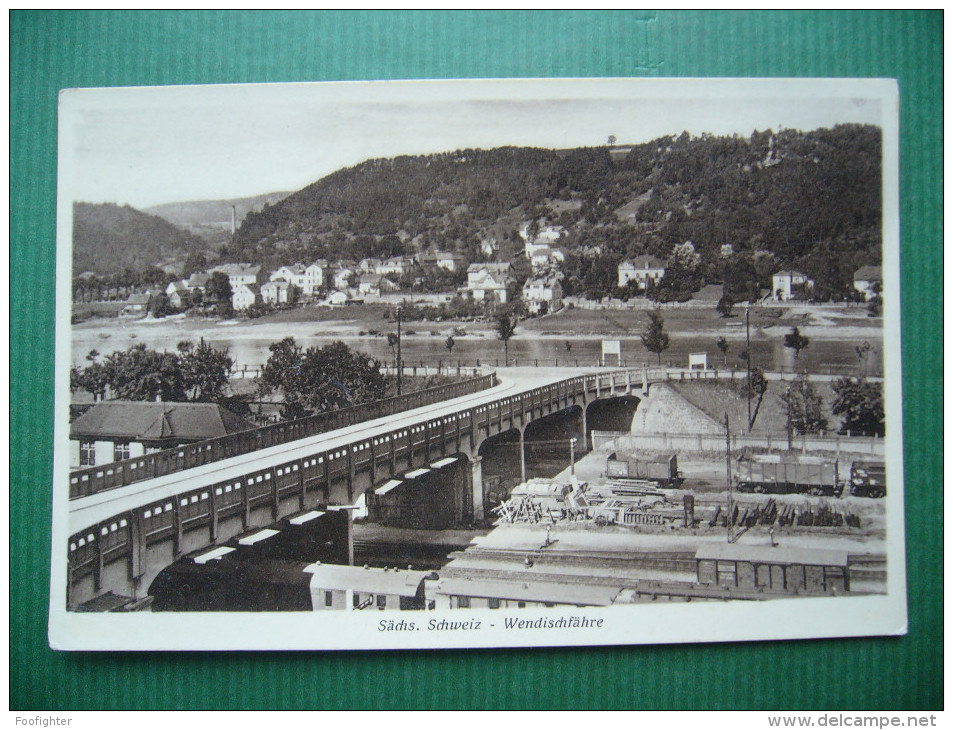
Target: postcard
495, 363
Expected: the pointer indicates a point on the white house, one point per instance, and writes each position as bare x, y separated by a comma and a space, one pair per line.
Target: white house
341, 278
337, 299
369, 266
395, 266
642, 270
244, 296
784, 282
542, 294
546, 256
314, 277
117, 430
488, 281
865, 279
294, 274
275, 291
238, 273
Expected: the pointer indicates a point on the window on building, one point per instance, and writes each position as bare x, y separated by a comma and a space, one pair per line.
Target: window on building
493, 602
357, 599
87, 453
120, 450
463, 602
328, 599
381, 602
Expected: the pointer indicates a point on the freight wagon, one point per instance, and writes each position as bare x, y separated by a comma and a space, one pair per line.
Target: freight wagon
662, 470
773, 474
868, 479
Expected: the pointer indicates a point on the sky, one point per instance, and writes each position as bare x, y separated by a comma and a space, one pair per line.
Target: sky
147, 146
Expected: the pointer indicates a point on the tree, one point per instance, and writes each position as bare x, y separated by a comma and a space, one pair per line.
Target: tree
392, 340
655, 338
282, 371
860, 404
160, 306
794, 340
505, 329
205, 371
725, 305
863, 352
294, 294
723, 346
320, 379
449, 343
804, 407
218, 290
143, 374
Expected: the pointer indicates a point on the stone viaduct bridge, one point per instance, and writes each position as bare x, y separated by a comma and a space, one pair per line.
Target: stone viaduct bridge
129, 520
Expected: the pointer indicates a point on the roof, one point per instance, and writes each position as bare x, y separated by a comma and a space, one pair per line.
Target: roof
529, 589
148, 421
868, 273
773, 555
645, 262
491, 267
785, 272
198, 278
320, 263
366, 580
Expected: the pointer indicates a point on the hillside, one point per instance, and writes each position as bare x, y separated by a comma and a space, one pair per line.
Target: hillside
212, 219
107, 239
808, 200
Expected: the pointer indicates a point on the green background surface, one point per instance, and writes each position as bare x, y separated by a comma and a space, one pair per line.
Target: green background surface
54, 50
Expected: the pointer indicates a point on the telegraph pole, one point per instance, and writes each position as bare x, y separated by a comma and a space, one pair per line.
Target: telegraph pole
730, 515
748, 360
400, 363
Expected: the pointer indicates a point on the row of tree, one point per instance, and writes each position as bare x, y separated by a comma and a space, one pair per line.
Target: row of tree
192, 373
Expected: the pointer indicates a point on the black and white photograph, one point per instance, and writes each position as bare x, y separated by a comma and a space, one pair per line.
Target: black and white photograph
391, 365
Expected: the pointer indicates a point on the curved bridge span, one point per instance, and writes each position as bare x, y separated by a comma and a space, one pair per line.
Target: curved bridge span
121, 537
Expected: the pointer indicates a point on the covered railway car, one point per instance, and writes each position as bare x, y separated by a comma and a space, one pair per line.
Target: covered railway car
220, 580
663, 470
774, 474
868, 479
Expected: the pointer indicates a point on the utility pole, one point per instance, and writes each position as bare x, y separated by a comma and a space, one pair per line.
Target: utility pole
400, 364
748, 360
729, 518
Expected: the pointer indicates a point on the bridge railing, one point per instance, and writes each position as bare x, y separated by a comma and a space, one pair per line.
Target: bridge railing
92, 480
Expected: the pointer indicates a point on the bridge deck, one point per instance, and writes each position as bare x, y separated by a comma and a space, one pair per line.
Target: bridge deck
88, 511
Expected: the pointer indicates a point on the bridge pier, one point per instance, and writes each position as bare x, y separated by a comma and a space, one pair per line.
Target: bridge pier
476, 486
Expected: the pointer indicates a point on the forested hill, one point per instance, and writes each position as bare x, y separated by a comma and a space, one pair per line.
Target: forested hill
108, 239
810, 200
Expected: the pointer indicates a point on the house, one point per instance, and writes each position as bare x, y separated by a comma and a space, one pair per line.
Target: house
489, 245
342, 277
783, 284
276, 291
136, 304
545, 256
396, 266
543, 295
369, 265
337, 298
238, 273
440, 260
198, 280
868, 281
488, 281
314, 277
373, 284
116, 430
294, 274
642, 270
244, 296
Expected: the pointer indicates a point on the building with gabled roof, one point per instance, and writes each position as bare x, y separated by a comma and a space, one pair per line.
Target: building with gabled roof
867, 280
784, 282
116, 430
641, 270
